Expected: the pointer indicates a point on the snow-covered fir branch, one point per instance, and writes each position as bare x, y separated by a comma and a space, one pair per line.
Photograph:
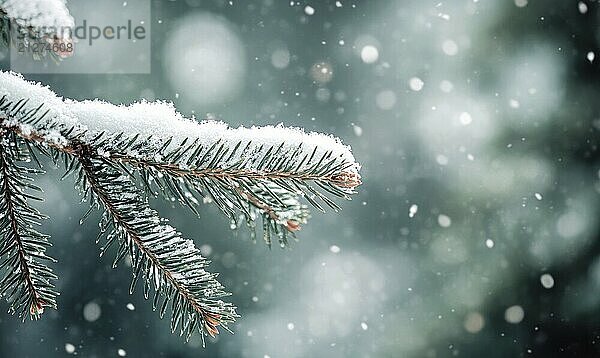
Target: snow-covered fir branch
122, 154
161, 141
43, 17
160, 122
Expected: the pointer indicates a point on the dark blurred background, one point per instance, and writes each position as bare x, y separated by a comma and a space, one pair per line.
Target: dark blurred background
475, 231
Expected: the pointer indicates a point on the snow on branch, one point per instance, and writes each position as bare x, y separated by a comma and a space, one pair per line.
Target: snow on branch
45, 17
120, 155
160, 140
161, 122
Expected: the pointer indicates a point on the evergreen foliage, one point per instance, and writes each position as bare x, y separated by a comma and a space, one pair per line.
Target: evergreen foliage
251, 177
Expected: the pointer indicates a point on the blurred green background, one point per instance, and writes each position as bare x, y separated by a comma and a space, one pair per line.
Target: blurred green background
475, 231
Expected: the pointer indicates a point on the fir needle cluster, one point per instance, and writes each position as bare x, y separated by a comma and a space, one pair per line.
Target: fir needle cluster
119, 157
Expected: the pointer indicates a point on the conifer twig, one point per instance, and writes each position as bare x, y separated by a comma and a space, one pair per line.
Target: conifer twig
121, 154
29, 21
27, 284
